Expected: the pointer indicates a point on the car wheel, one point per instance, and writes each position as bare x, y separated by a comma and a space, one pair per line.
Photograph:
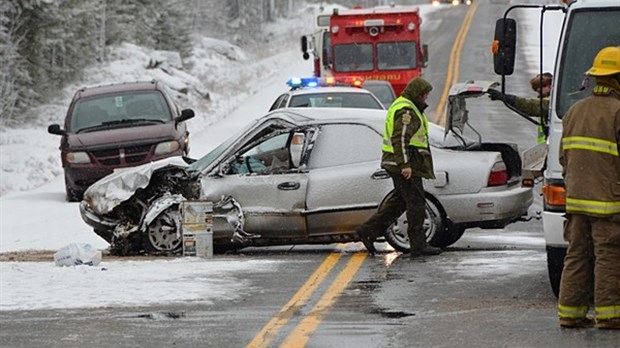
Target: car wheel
434, 222
71, 194
555, 264
163, 234
450, 236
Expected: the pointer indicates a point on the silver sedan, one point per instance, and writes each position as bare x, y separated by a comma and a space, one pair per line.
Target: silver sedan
305, 176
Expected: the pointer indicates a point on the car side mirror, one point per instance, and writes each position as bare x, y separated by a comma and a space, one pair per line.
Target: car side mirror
55, 129
504, 46
186, 114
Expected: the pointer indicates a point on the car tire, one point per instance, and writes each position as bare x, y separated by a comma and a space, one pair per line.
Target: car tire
434, 225
71, 194
163, 234
449, 236
555, 265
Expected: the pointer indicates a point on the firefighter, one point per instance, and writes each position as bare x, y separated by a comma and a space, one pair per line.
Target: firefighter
591, 165
541, 84
407, 159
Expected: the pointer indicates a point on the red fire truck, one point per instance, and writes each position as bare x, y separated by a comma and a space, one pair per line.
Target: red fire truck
380, 43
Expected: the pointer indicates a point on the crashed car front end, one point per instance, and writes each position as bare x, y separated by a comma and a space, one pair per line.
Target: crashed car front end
128, 201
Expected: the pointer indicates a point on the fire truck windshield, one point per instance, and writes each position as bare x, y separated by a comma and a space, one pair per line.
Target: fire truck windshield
396, 55
353, 57
390, 56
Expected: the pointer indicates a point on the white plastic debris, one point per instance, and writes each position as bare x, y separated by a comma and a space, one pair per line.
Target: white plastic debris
76, 254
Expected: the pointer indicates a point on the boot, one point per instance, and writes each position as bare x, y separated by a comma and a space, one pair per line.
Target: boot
579, 323
609, 324
368, 243
427, 250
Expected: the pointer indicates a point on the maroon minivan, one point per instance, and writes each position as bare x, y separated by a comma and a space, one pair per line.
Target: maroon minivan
116, 126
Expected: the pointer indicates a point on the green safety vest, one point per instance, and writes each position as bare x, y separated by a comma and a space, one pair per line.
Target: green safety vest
419, 139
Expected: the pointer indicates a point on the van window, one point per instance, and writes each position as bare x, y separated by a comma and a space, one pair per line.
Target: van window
92, 112
596, 30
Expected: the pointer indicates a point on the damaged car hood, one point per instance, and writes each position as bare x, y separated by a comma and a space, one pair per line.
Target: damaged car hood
119, 186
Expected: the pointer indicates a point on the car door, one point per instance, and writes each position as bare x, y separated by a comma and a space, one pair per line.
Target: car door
270, 190
346, 183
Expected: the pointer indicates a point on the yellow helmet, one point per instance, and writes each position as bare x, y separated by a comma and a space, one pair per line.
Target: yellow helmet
606, 62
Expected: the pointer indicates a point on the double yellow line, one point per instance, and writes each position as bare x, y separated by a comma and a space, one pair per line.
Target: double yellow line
300, 335
302, 332
453, 65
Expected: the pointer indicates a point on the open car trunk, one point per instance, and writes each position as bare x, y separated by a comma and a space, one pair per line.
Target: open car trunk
457, 119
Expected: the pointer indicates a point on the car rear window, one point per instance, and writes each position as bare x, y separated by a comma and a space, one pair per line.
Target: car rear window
335, 100
94, 111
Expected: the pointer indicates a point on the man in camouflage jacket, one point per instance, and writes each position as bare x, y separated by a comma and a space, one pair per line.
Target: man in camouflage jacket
407, 159
541, 84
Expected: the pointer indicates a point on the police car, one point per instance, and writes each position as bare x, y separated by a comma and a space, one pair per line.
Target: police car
326, 92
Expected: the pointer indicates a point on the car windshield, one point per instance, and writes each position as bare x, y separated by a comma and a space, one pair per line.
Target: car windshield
89, 113
383, 92
206, 160
335, 100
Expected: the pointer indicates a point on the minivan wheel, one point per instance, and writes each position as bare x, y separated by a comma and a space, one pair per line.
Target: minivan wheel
164, 234
434, 226
71, 194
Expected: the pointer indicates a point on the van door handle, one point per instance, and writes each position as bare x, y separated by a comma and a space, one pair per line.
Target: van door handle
380, 174
288, 186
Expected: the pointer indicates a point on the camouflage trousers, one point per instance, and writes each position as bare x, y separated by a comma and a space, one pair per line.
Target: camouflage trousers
408, 195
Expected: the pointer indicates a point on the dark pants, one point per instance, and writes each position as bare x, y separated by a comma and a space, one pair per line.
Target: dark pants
408, 195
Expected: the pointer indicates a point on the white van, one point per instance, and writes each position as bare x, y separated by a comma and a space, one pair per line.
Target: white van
589, 26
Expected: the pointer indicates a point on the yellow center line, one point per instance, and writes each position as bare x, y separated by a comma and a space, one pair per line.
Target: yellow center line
301, 334
293, 307
453, 65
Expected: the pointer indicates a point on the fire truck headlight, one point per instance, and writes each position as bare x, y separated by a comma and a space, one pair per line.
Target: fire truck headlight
411, 26
335, 29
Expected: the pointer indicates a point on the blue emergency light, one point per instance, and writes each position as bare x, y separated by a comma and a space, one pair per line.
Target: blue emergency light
297, 82
309, 82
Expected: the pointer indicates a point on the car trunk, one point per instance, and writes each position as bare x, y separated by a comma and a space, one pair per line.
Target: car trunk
457, 118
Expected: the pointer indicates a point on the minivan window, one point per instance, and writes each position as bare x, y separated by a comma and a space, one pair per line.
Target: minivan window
101, 110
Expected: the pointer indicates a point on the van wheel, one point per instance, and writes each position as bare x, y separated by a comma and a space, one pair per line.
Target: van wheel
71, 194
163, 235
555, 265
434, 222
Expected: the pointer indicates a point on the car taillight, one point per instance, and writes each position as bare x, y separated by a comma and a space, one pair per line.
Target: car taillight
554, 195
499, 175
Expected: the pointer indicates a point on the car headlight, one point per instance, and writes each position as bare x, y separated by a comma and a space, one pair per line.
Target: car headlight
167, 147
78, 158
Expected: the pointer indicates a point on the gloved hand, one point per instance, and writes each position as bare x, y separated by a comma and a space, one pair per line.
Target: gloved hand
497, 95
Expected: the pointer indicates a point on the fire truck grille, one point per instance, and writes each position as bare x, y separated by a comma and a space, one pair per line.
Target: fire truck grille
123, 155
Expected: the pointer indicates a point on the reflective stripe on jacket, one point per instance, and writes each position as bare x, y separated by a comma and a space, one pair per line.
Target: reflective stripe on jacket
589, 154
419, 139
